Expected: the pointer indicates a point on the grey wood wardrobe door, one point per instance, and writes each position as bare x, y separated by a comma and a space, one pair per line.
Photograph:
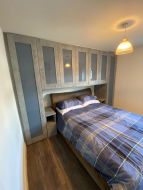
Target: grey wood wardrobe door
67, 65
48, 64
111, 80
103, 67
23, 54
93, 66
81, 66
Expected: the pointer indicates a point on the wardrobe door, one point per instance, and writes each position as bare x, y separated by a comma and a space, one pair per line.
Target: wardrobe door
93, 67
67, 65
81, 66
111, 80
48, 64
103, 67
23, 55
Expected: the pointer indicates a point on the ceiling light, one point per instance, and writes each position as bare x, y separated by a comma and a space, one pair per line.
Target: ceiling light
125, 46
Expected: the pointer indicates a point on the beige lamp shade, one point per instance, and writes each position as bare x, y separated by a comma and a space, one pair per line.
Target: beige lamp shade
124, 47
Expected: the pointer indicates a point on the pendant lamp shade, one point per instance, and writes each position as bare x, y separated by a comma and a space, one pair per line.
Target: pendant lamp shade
124, 47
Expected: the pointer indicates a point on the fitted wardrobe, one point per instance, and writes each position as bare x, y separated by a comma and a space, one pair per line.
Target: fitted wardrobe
39, 65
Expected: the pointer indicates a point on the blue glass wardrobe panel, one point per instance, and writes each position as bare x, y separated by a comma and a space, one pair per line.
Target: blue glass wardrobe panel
67, 64
49, 64
82, 66
93, 66
26, 69
103, 67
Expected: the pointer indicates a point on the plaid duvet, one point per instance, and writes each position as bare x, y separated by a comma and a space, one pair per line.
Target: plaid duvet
111, 140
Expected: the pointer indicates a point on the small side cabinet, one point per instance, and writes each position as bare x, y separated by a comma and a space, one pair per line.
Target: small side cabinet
51, 121
25, 72
48, 64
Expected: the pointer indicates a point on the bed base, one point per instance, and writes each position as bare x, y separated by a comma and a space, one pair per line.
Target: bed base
99, 180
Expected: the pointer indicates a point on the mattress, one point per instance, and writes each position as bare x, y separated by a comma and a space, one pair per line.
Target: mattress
110, 139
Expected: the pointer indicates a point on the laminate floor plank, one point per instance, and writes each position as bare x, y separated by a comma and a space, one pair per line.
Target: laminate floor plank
53, 166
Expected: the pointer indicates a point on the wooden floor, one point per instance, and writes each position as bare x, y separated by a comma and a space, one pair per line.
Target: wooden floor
53, 166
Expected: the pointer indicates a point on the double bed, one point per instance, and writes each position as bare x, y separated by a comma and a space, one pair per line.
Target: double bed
107, 141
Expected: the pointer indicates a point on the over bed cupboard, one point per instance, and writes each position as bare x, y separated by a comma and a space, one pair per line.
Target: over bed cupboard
40, 66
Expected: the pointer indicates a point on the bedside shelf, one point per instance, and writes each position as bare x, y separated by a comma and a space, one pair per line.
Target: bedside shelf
49, 112
51, 121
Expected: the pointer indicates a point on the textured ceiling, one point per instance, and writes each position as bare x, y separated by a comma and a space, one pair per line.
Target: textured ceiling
89, 23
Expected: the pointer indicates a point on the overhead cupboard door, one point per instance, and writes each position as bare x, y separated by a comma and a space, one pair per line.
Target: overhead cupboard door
48, 64
67, 65
25, 72
93, 67
81, 66
103, 67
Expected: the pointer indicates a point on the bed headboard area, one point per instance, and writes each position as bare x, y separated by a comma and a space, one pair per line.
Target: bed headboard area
57, 97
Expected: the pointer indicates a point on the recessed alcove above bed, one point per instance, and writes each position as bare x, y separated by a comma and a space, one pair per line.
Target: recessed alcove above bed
46, 94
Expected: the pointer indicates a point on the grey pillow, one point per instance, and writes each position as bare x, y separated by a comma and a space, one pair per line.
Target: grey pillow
68, 103
85, 98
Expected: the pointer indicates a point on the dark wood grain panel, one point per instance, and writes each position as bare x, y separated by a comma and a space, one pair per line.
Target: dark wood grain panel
55, 98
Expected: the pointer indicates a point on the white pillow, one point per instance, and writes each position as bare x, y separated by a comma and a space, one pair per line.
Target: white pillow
63, 111
90, 102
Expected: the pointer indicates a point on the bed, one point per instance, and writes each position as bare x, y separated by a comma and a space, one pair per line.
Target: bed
107, 141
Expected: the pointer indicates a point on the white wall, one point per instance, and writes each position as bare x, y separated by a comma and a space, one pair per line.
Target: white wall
87, 23
129, 81
12, 145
